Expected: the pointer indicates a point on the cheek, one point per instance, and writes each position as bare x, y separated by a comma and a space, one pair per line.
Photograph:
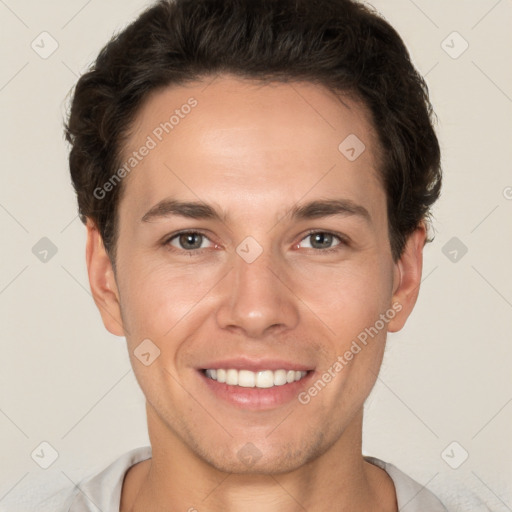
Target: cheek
156, 298
347, 298
350, 303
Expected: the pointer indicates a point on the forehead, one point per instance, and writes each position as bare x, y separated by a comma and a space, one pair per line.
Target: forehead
232, 136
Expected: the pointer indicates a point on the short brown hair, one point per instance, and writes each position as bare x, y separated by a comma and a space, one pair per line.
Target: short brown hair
340, 44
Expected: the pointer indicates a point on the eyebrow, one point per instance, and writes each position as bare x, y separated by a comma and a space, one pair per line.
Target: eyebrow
312, 210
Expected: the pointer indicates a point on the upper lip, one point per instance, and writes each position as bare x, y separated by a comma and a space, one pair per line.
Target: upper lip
255, 365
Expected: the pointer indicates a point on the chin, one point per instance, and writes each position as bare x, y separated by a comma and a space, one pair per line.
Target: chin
272, 465
249, 458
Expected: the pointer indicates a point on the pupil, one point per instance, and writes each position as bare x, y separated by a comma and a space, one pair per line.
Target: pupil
187, 240
323, 239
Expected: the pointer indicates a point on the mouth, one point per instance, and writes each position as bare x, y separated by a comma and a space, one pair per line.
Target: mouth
255, 386
263, 379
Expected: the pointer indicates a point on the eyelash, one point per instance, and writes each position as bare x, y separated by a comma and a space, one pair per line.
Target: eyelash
343, 241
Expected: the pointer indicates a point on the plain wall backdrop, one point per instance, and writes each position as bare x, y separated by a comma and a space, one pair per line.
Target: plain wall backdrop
446, 377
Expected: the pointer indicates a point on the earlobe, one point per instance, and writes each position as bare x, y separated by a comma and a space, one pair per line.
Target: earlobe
407, 278
102, 281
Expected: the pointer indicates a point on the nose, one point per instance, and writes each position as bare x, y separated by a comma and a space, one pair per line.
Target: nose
257, 299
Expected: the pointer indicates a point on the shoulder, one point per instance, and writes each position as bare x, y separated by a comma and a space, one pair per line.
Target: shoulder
58, 490
409, 492
103, 490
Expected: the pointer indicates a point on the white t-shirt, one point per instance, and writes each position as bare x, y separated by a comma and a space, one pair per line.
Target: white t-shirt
102, 491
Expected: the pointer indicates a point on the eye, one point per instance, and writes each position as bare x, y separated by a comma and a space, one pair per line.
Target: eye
323, 240
188, 241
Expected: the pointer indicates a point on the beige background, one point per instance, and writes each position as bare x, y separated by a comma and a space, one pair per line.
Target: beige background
445, 378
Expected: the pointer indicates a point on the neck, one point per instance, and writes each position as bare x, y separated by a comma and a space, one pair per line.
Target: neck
176, 478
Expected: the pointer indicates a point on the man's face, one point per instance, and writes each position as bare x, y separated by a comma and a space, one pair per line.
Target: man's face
253, 289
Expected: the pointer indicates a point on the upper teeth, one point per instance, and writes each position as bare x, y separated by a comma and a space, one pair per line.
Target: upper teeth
248, 379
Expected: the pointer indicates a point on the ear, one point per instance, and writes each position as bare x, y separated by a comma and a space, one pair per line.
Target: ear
407, 278
102, 281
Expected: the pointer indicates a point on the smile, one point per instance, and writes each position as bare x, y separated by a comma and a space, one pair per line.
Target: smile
250, 379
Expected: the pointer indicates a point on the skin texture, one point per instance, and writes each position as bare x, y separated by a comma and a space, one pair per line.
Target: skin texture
253, 152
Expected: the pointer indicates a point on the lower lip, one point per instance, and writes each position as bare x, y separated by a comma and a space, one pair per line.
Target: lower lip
257, 398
